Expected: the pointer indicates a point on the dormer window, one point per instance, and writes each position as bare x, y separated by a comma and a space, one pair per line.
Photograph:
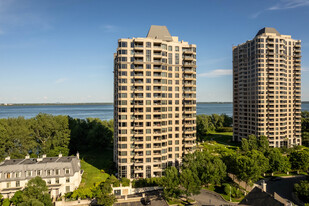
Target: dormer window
67, 171
48, 172
7, 175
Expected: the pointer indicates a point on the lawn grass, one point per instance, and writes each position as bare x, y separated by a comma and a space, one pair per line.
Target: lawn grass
91, 175
101, 159
222, 138
93, 162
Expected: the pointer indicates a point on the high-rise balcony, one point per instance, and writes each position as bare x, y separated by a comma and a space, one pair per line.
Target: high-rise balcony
189, 71
157, 153
138, 53
158, 159
138, 161
157, 53
188, 58
157, 81
187, 64
188, 50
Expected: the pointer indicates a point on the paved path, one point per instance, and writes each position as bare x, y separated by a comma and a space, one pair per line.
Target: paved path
210, 198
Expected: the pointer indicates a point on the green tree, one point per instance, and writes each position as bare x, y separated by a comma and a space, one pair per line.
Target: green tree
253, 143
244, 145
103, 193
16, 138
305, 128
17, 198
125, 182
6, 202
209, 168
190, 182
90, 133
263, 144
100, 133
277, 162
204, 126
52, 133
170, 183
227, 120
249, 167
217, 120
300, 160
305, 139
302, 190
305, 121
36, 192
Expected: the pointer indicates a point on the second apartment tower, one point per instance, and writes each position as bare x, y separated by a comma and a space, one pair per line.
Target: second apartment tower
154, 103
267, 90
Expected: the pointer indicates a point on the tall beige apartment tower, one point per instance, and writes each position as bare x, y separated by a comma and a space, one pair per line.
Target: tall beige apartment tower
154, 103
267, 90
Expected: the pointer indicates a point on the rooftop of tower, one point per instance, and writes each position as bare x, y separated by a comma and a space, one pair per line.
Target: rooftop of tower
159, 32
268, 30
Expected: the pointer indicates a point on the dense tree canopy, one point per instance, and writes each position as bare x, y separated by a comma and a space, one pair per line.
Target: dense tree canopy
305, 128
51, 135
302, 190
35, 193
170, 183
300, 160
103, 193
277, 162
255, 143
190, 182
209, 168
247, 166
209, 123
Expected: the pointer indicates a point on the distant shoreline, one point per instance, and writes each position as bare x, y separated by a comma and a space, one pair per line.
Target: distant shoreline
95, 103
53, 104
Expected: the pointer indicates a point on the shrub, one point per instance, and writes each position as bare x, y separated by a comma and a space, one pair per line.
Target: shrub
302, 190
6, 202
235, 192
147, 182
225, 129
125, 182
114, 181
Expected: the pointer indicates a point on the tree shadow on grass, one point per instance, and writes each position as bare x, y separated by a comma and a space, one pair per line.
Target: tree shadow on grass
101, 159
222, 139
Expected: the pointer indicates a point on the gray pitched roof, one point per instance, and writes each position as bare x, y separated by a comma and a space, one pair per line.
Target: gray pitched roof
257, 197
47, 163
268, 30
159, 32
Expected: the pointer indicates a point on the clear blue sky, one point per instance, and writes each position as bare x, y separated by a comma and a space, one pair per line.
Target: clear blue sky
62, 50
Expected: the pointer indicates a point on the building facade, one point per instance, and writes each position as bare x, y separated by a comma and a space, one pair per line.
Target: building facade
154, 103
62, 174
267, 88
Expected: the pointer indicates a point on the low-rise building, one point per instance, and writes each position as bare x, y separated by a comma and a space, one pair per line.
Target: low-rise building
62, 174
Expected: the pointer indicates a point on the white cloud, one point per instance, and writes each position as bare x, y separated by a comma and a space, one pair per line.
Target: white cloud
217, 73
289, 4
109, 28
60, 80
284, 4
